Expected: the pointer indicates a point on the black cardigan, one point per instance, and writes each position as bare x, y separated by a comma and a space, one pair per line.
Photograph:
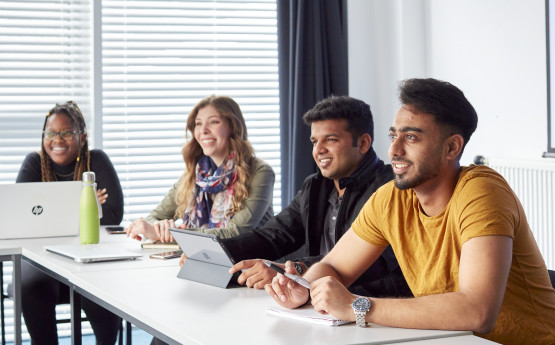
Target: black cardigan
299, 227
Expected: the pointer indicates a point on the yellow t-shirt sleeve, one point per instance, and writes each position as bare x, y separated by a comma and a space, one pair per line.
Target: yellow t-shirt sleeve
487, 207
368, 223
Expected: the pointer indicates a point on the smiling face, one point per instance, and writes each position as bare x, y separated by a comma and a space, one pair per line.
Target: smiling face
333, 150
417, 149
62, 152
212, 133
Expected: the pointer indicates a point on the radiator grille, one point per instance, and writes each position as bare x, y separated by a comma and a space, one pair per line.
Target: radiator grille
534, 184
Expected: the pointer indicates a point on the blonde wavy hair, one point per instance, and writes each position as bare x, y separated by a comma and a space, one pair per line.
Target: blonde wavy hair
192, 152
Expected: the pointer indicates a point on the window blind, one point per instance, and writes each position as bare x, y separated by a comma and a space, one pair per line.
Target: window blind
159, 58
45, 52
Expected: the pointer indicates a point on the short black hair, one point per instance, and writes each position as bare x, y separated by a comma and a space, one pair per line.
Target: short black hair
356, 112
444, 101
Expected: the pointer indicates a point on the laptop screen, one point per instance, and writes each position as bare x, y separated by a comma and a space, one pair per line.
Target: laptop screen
40, 209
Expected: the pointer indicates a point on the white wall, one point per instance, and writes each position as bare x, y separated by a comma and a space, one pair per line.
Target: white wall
493, 50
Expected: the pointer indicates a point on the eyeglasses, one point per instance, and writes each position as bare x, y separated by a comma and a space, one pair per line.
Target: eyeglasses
66, 135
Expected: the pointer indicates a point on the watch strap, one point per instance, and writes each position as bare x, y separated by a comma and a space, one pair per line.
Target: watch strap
360, 318
361, 305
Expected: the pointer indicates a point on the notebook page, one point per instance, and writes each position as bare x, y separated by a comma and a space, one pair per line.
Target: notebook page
307, 314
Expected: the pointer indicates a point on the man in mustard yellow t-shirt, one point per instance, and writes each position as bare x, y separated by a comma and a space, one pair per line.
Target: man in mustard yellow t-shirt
459, 233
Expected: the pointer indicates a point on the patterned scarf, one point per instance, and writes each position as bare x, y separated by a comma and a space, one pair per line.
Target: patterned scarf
217, 181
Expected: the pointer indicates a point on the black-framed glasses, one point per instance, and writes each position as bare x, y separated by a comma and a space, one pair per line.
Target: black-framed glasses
65, 135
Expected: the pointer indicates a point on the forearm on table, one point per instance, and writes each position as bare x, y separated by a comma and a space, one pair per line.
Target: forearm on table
483, 272
448, 311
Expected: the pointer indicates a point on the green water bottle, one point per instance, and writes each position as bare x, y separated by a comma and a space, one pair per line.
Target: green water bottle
89, 222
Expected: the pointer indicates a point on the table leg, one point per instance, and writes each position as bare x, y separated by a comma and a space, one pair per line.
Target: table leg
16, 276
75, 303
127, 333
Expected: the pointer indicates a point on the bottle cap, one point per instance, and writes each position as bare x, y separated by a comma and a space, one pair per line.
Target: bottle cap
88, 176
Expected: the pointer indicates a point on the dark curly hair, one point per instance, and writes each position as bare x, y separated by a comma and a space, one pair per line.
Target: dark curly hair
70, 109
356, 112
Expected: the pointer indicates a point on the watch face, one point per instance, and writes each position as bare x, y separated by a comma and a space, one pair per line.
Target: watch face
361, 304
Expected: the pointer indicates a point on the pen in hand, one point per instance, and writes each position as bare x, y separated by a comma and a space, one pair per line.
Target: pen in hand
297, 279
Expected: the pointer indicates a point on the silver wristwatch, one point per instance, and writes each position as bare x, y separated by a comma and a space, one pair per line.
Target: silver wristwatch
360, 306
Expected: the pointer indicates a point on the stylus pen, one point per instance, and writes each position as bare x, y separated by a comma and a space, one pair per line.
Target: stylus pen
298, 279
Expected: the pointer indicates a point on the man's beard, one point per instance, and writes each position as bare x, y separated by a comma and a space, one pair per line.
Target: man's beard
426, 171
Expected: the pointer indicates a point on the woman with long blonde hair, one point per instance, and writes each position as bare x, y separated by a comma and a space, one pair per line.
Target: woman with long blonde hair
224, 190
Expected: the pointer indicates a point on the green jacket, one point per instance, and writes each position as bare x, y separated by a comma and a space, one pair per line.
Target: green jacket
256, 211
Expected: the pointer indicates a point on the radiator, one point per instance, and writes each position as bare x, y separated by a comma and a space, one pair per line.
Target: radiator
534, 184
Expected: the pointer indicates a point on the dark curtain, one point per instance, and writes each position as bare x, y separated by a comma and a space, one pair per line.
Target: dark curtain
312, 52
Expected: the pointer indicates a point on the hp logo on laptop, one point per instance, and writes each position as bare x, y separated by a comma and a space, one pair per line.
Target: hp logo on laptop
37, 209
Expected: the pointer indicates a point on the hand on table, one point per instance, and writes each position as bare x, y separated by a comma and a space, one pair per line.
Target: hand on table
330, 296
162, 229
255, 273
285, 291
157, 231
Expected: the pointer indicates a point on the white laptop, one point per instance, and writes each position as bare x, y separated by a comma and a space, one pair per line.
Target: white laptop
39, 209
87, 253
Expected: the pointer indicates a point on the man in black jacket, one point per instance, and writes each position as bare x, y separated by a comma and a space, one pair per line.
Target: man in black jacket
328, 202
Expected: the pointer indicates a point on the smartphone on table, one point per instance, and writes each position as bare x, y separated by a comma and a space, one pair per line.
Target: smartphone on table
115, 229
167, 255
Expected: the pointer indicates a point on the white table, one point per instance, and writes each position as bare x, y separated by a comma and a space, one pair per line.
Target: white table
62, 268
12, 252
147, 293
32, 249
185, 312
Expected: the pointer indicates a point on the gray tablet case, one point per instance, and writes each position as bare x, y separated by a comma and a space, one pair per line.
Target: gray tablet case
207, 260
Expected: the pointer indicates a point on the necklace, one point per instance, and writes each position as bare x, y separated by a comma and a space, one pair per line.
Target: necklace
64, 175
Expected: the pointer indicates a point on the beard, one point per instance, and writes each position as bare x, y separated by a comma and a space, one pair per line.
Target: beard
424, 174
425, 171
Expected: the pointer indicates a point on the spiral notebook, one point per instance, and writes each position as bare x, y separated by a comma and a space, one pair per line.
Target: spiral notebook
307, 313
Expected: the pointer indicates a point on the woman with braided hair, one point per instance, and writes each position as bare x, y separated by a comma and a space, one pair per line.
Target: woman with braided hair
64, 156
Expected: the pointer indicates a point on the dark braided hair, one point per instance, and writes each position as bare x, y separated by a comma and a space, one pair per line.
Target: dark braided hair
83, 159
